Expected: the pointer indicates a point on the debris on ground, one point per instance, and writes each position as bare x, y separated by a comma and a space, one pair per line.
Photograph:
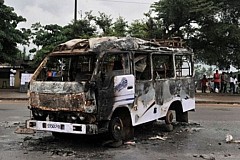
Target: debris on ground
63, 153
204, 156
229, 139
22, 130
227, 155
112, 144
9, 124
158, 138
27, 138
133, 143
191, 130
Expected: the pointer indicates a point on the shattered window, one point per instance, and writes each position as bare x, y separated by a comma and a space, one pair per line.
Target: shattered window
183, 65
67, 68
162, 66
142, 67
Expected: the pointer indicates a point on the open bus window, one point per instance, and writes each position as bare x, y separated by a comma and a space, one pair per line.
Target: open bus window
142, 67
67, 68
183, 65
162, 66
115, 64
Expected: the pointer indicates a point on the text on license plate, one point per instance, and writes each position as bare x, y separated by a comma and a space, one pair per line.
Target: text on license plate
53, 126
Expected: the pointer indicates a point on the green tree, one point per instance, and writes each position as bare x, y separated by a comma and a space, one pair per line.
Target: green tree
178, 15
82, 28
47, 37
147, 28
10, 36
137, 29
119, 28
104, 22
217, 42
210, 27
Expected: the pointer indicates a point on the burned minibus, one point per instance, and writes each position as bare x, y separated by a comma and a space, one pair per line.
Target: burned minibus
109, 84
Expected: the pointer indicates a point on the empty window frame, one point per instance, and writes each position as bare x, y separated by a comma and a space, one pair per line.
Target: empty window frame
67, 68
183, 65
142, 66
162, 66
115, 63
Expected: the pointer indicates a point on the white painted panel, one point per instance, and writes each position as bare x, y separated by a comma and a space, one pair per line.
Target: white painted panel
124, 85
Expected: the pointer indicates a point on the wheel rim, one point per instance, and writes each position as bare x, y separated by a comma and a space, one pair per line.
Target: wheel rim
169, 117
117, 128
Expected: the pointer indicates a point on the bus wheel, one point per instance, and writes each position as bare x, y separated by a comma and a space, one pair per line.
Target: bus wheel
120, 127
169, 117
116, 128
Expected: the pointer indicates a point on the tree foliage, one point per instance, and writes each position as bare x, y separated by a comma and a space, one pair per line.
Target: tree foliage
210, 27
119, 28
47, 37
10, 36
104, 22
176, 15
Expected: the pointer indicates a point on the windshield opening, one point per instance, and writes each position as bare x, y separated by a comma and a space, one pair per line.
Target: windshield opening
68, 68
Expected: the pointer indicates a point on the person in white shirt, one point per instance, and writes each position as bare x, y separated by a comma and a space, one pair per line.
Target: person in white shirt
231, 82
235, 81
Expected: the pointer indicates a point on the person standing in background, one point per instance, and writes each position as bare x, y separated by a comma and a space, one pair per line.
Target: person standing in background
216, 80
224, 82
12, 78
235, 81
204, 82
231, 82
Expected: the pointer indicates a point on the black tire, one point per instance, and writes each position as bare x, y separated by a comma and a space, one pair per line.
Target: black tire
169, 117
120, 127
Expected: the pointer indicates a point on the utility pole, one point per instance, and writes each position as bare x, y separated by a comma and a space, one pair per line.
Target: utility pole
75, 11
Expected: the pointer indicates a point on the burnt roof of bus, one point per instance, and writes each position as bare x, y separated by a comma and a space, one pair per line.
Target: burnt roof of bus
97, 45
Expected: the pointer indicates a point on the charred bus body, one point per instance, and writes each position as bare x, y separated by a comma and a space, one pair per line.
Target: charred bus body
109, 84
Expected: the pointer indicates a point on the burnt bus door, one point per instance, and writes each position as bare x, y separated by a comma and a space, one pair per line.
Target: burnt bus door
116, 84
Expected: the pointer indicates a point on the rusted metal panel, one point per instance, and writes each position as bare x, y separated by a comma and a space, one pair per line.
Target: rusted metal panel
59, 96
57, 102
57, 87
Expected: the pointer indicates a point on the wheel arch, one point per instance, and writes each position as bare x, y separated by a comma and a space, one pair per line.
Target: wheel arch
123, 113
122, 110
176, 106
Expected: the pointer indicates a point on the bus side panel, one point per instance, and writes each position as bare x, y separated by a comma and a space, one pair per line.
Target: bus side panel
186, 92
145, 108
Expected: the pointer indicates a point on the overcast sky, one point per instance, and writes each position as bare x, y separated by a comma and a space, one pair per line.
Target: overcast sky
61, 12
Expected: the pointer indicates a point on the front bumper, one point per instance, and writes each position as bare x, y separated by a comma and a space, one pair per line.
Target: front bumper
62, 127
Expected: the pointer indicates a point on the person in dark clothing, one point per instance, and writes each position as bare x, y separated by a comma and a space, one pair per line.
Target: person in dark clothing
204, 82
224, 82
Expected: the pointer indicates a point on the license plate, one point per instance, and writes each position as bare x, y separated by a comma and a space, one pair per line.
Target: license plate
54, 126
